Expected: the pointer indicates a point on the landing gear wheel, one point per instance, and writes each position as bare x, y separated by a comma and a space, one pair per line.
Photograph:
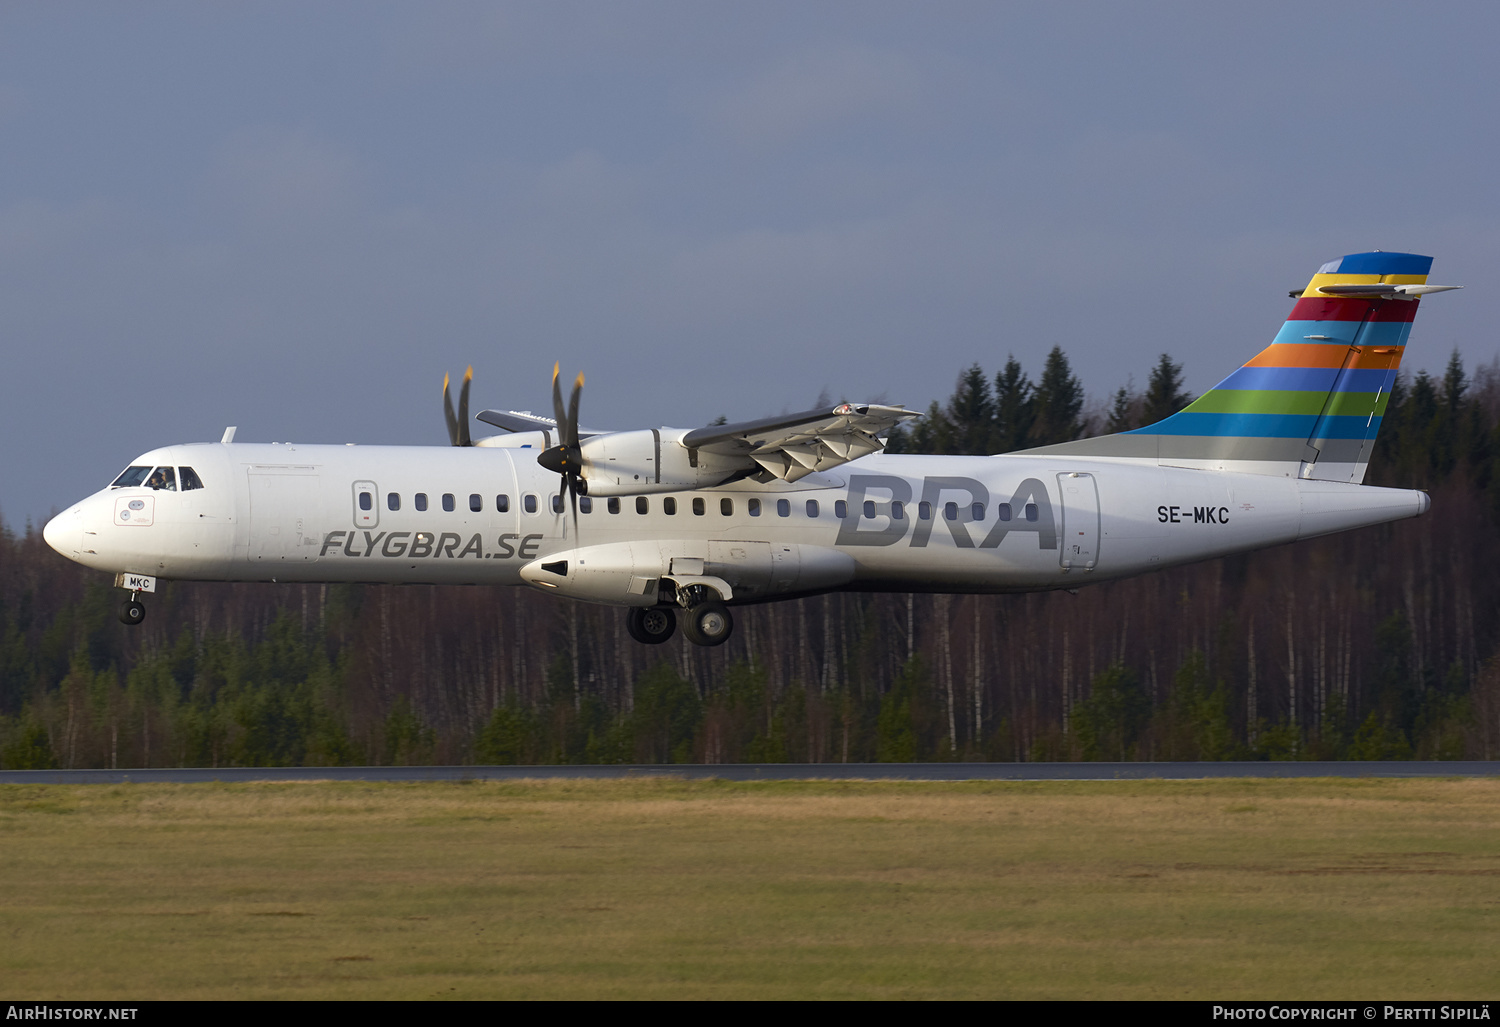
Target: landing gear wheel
708, 624
132, 612
650, 626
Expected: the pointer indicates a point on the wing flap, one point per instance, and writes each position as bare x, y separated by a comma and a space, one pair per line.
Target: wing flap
793, 446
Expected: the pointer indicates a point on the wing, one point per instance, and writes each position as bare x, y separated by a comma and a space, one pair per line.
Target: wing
525, 420
795, 445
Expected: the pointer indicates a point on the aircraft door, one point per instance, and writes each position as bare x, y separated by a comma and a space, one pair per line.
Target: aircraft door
284, 513
366, 504
1079, 494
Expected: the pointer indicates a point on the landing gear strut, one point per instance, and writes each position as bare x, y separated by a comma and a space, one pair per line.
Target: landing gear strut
651, 626
132, 612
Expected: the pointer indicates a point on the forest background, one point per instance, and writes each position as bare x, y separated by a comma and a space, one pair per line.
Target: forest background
1381, 643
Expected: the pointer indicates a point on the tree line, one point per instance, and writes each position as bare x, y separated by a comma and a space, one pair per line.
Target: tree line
1374, 644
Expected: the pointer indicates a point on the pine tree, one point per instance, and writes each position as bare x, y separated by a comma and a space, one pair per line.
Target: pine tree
1059, 401
1164, 392
1455, 381
971, 415
1015, 407
1124, 411
925, 435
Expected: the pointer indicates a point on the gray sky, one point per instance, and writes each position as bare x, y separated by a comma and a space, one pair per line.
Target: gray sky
296, 217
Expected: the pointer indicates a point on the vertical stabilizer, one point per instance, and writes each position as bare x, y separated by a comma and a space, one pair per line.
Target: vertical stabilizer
1308, 405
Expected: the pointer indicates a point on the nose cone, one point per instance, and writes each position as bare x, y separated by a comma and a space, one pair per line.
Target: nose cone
64, 533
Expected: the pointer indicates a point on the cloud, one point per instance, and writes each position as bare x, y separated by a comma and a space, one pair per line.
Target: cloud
819, 90
279, 175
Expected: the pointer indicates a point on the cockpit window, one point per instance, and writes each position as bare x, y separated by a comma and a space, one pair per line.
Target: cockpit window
131, 477
190, 479
163, 479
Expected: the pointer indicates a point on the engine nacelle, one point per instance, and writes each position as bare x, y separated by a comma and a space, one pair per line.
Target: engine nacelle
532, 440
630, 463
647, 573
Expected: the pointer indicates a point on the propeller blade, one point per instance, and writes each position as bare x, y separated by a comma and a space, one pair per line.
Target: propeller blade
448, 413
558, 414
572, 439
463, 411
566, 458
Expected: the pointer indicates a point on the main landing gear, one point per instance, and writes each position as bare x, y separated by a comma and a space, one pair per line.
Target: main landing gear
704, 623
651, 626
708, 624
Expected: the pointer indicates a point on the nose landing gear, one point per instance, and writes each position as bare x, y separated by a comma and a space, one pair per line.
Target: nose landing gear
132, 612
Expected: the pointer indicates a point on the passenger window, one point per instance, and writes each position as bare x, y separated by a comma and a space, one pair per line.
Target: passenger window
840, 509
163, 479
870, 509
393, 501
950, 511
1003, 511
924, 511
366, 501
726, 507
585, 504
613, 505
557, 503
528, 503
898, 510
754, 507
448, 502
1031, 512
669, 506
642, 505
502, 504
698, 507
131, 477
189, 479
419, 501
977, 511
475, 503
783, 508
812, 508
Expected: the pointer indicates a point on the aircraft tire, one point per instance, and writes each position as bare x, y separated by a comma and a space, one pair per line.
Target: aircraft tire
132, 612
708, 624
650, 626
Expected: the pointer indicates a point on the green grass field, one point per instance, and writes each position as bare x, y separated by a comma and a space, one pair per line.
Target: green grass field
672, 889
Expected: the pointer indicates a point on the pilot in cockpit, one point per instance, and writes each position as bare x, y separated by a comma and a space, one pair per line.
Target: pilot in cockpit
162, 478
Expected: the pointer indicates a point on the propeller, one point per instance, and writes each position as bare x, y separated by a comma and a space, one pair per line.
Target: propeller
565, 458
458, 426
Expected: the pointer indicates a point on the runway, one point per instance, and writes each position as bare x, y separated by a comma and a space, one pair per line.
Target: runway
782, 772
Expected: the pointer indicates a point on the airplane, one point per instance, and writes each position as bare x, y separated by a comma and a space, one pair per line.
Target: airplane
678, 526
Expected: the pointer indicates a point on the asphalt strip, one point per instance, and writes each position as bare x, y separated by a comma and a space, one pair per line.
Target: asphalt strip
783, 772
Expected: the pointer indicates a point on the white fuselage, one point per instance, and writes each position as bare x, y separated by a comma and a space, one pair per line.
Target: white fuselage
964, 524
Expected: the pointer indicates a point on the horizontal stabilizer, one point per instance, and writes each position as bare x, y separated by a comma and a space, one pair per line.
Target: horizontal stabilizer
1398, 292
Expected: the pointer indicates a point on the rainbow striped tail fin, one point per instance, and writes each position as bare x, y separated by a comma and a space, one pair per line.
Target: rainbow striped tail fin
1309, 404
